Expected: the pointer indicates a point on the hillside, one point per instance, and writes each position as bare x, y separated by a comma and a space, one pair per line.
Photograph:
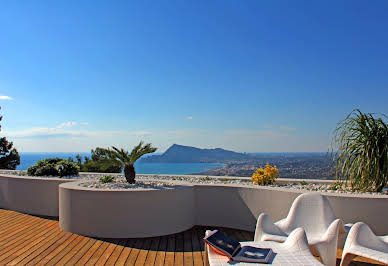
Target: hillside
186, 154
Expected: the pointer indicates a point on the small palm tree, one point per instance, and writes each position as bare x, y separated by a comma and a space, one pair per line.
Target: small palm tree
128, 159
361, 141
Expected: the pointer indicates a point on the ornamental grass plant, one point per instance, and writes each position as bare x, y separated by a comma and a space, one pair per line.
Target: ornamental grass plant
361, 156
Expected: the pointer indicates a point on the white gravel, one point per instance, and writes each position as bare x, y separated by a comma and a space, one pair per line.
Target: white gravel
92, 180
121, 183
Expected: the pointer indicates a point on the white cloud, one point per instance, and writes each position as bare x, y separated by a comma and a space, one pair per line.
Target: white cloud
84, 123
63, 130
67, 124
5, 97
41, 132
189, 118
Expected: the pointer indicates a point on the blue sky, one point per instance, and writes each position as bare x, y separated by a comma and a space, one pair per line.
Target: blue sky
252, 76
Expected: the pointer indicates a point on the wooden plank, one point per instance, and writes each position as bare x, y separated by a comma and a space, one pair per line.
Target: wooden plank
197, 254
14, 225
153, 250
178, 260
46, 249
6, 236
84, 259
188, 248
125, 252
96, 255
143, 251
73, 251
170, 252
27, 245
16, 221
15, 233
46, 260
4, 218
134, 252
161, 253
21, 242
116, 252
201, 234
107, 253
81, 252
65, 250
28, 254
6, 213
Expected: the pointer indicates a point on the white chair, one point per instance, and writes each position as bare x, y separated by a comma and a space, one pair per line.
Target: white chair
313, 212
294, 251
361, 241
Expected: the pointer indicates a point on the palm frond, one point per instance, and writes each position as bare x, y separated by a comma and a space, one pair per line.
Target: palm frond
130, 158
141, 150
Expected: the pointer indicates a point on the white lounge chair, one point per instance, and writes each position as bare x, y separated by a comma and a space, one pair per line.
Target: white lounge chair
313, 212
361, 241
294, 251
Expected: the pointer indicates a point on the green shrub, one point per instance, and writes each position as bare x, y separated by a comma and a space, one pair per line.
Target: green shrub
53, 167
102, 166
107, 179
303, 183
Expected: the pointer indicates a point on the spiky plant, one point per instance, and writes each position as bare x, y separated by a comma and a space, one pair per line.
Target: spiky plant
128, 159
361, 157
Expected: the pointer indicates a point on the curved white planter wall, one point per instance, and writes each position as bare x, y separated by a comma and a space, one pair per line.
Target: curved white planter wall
123, 213
38, 196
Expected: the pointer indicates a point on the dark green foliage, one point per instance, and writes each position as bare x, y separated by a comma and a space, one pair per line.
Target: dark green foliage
8, 159
101, 154
101, 162
107, 179
79, 160
9, 156
53, 167
361, 141
102, 166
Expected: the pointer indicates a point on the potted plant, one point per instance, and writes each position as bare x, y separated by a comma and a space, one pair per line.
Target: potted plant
128, 159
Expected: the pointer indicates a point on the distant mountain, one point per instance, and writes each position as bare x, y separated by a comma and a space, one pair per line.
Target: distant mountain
186, 154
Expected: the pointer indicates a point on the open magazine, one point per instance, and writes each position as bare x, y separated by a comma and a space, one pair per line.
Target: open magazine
232, 249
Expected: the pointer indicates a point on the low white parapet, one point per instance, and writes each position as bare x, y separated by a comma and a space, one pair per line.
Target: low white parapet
32, 195
153, 212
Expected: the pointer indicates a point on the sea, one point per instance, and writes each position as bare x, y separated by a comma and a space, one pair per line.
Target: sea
30, 158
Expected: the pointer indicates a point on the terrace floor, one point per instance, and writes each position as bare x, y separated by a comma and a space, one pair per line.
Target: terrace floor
27, 239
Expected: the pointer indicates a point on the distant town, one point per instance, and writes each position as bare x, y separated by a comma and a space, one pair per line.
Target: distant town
290, 165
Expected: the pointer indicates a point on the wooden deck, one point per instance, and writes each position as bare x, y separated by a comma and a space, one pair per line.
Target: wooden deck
31, 240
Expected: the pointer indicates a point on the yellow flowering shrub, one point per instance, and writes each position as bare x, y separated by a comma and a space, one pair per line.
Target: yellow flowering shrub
265, 176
